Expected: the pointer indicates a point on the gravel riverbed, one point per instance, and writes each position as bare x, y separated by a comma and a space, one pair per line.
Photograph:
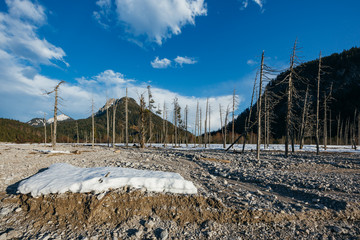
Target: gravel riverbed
303, 196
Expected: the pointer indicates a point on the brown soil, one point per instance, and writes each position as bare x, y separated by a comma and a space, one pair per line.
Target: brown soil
85, 211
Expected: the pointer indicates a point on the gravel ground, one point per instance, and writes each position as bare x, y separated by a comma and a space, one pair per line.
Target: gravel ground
303, 196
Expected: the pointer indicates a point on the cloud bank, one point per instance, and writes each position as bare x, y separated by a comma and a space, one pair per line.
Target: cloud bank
154, 20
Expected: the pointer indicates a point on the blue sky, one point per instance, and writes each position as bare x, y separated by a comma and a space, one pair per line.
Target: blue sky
192, 49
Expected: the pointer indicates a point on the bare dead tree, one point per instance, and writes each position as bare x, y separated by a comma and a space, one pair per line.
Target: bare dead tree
77, 132
304, 118
200, 129
354, 130
55, 111
206, 119
330, 126
250, 111
338, 130
318, 106
114, 123
233, 117
92, 123
142, 121
265, 118
225, 124
150, 107
186, 124
290, 93
221, 125
44, 128
126, 120
259, 108
107, 122
196, 123
327, 97
358, 129
177, 118
209, 132
164, 124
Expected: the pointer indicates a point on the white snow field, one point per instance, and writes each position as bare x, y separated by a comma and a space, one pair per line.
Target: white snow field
63, 177
61, 117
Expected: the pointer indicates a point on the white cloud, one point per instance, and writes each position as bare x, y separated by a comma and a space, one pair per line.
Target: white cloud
251, 62
184, 60
160, 63
110, 77
155, 20
245, 3
18, 34
165, 63
24, 9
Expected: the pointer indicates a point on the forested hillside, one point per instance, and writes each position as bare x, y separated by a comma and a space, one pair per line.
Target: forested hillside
71, 130
340, 84
18, 132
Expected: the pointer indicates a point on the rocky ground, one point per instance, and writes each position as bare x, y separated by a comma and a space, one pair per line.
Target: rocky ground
301, 197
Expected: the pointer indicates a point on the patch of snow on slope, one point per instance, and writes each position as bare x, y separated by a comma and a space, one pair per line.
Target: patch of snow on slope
61, 117
63, 177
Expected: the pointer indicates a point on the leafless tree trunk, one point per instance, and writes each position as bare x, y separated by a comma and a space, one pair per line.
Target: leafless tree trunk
126, 120
221, 125
290, 90
267, 122
326, 98
93, 124
358, 130
342, 140
142, 121
250, 111
330, 126
77, 132
150, 107
107, 122
354, 130
233, 118
304, 118
55, 111
318, 107
206, 118
209, 138
259, 108
225, 124
176, 118
51, 132
114, 124
164, 122
338, 130
265, 119
186, 124
200, 129
44, 128
196, 123
347, 128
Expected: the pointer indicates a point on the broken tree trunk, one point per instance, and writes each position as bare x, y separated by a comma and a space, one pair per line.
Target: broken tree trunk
318, 107
259, 108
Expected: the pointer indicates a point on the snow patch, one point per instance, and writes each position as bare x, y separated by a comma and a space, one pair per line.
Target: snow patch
63, 177
61, 117
51, 151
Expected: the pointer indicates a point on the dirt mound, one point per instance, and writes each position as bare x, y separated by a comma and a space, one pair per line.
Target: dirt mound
86, 211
